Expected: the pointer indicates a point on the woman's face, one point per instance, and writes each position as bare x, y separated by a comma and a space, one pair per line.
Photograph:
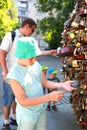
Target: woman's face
30, 61
27, 62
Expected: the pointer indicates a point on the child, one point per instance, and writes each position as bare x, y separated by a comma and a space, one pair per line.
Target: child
27, 80
52, 77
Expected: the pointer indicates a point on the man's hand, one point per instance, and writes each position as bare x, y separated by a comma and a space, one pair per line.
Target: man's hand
4, 75
49, 52
53, 52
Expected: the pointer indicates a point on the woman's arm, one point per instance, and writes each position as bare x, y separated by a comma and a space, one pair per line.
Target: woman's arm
21, 97
50, 84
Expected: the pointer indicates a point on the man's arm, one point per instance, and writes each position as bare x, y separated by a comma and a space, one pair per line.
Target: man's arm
49, 52
32, 101
4, 48
3, 62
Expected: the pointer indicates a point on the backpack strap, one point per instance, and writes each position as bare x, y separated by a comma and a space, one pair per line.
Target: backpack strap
13, 34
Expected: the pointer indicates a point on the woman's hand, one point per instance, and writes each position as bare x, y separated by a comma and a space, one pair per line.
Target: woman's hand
67, 85
56, 95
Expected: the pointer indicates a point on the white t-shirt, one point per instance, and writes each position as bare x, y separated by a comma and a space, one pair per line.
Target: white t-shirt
9, 47
30, 79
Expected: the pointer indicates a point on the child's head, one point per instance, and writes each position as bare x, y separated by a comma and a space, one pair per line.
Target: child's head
52, 72
27, 48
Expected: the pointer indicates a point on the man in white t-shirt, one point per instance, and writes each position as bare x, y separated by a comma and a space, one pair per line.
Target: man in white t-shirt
7, 60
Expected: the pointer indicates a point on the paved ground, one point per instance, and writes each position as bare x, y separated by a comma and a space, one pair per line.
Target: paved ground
64, 118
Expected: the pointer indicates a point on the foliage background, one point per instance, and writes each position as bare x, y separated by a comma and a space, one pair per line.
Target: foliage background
8, 17
56, 12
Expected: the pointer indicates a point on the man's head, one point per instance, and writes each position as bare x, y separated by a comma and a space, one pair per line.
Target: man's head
27, 27
28, 21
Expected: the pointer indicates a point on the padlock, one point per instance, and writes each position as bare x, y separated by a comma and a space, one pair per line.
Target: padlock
75, 63
76, 7
67, 23
85, 1
82, 22
82, 86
